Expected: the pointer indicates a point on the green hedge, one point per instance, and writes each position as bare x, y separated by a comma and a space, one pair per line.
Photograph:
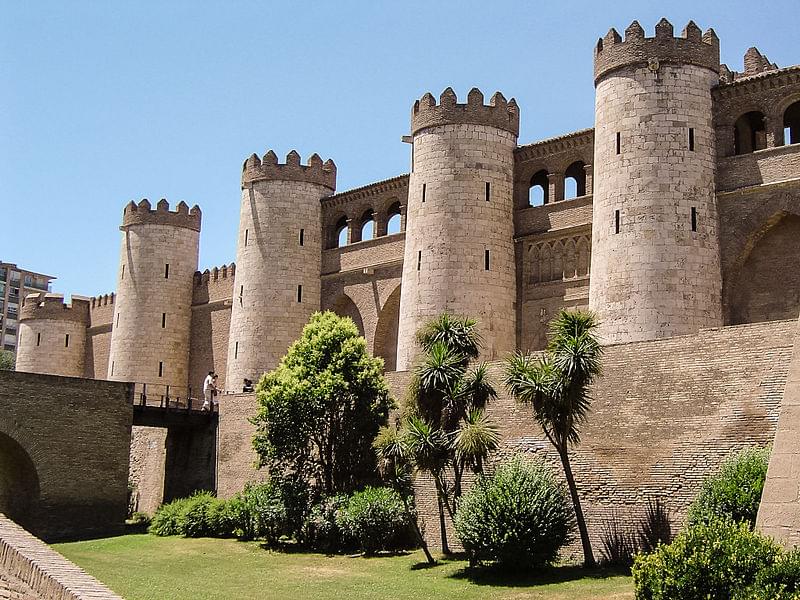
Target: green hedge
709, 561
734, 492
520, 516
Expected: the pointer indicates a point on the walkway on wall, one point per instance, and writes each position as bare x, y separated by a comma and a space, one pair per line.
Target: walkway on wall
162, 406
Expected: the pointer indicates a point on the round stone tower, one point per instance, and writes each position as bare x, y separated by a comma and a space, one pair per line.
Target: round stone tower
655, 269
52, 335
459, 249
152, 316
277, 282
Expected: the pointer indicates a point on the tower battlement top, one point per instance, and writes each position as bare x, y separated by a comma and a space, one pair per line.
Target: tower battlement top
143, 214
694, 47
268, 168
499, 113
52, 307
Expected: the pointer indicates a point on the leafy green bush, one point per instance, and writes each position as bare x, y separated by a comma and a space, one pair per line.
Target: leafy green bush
735, 491
778, 581
259, 511
520, 516
169, 518
709, 561
321, 531
199, 515
375, 518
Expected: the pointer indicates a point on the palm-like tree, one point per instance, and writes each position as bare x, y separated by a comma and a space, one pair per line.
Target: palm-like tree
392, 447
556, 386
444, 428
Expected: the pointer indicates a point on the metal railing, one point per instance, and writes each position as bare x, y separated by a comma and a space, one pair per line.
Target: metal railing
168, 397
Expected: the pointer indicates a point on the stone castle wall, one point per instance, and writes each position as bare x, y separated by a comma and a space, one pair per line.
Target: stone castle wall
98, 336
444, 266
664, 415
211, 321
277, 283
64, 448
654, 275
151, 329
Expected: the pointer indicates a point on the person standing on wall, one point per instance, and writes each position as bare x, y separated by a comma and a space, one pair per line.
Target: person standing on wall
209, 387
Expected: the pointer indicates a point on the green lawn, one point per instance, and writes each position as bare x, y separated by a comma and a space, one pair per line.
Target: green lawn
145, 567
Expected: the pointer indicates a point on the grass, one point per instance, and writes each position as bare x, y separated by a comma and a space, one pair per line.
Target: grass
145, 567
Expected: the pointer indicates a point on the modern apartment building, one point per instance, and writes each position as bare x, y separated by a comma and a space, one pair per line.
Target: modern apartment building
15, 284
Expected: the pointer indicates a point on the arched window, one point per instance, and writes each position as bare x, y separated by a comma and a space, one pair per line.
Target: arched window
748, 133
367, 226
393, 222
791, 124
538, 191
341, 232
575, 180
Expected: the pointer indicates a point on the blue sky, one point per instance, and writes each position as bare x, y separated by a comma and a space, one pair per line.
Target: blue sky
102, 103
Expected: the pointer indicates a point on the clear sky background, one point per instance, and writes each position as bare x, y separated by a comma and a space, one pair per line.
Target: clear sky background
106, 102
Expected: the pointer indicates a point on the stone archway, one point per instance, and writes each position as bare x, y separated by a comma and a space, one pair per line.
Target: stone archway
385, 344
345, 307
19, 481
767, 287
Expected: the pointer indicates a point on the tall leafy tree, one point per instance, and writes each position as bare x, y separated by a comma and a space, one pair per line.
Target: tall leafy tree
322, 407
556, 386
445, 430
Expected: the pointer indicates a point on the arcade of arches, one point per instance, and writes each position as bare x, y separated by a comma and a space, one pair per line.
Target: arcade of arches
765, 290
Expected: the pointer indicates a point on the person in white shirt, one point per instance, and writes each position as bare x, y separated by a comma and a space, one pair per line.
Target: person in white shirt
209, 385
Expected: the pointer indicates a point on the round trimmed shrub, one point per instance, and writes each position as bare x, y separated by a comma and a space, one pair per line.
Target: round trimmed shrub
709, 561
375, 518
520, 516
735, 491
321, 531
200, 515
778, 581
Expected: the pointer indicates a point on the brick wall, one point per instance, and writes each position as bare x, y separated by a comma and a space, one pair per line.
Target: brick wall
756, 168
665, 414
211, 321
64, 448
236, 458
98, 336
758, 238
30, 569
779, 512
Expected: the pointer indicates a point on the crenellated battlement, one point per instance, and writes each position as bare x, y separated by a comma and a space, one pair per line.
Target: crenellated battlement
268, 168
102, 300
217, 273
52, 307
693, 47
143, 214
499, 113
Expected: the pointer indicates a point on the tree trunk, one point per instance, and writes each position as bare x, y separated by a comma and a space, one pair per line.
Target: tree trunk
588, 557
442, 523
412, 517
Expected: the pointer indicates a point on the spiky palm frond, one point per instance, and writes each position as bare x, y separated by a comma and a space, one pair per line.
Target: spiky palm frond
427, 445
457, 333
478, 386
574, 346
477, 437
439, 381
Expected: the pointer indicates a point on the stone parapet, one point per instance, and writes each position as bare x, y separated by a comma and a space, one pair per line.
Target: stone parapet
692, 47
52, 307
142, 214
269, 169
30, 569
498, 113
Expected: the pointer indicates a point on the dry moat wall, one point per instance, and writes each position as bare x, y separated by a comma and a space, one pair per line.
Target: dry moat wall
665, 414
